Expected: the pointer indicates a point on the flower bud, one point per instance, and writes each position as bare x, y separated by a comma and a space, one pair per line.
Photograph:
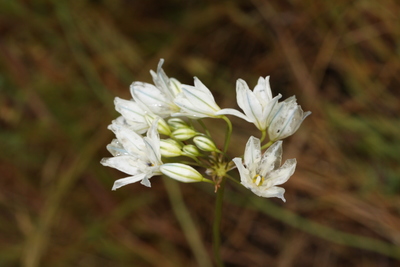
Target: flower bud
181, 172
183, 134
205, 144
170, 148
177, 123
162, 126
190, 150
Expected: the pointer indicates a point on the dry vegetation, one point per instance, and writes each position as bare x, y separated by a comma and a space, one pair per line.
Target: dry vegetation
63, 62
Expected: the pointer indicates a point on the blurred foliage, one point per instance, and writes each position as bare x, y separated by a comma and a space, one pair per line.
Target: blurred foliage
63, 62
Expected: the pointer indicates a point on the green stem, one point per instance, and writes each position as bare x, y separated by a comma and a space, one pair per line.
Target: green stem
228, 133
267, 145
204, 127
187, 223
263, 135
233, 179
217, 224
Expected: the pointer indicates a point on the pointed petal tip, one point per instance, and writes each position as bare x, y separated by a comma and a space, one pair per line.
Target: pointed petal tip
146, 182
103, 161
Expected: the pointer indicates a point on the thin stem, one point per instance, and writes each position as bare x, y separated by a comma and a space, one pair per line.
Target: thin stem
204, 127
263, 135
228, 133
233, 179
187, 223
217, 224
207, 181
267, 145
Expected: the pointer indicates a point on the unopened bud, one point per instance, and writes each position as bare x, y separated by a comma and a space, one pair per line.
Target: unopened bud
204, 143
183, 134
190, 150
162, 126
177, 123
181, 172
170, 148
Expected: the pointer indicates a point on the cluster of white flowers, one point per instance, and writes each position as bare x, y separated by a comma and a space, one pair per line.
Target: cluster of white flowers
169, 108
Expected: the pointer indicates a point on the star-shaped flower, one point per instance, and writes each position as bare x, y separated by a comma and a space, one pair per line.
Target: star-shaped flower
135, 155
159, 99
257, 105
286, 118
262, 173
196, 101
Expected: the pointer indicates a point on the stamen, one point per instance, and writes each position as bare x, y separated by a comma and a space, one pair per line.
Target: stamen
258, 179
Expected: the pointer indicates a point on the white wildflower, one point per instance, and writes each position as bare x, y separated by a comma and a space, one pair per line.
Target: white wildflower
159, 99
262, 173
135, 155
287, 117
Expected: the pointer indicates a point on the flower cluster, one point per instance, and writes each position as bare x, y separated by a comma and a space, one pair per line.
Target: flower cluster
156, 135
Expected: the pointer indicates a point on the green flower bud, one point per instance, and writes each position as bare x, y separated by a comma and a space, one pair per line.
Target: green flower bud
162, 126
183, 134
170, 148
190, 150
181, 172
205, 144
177, 123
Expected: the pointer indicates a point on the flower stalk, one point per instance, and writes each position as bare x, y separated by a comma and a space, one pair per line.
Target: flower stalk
217, 223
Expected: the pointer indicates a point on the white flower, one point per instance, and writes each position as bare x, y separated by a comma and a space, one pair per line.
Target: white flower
135, 155
286, 118
256, 105
133, 113
182, 172
137, 118
261, 173
196, 101
159, 99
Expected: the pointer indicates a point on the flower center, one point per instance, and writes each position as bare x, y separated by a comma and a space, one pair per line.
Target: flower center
258, 179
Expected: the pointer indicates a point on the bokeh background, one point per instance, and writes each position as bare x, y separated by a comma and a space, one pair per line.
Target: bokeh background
63, 62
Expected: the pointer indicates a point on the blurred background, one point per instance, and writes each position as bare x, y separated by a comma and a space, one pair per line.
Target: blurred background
63, 62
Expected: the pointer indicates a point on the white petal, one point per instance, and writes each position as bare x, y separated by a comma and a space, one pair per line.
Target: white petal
116, 149
128, 180
192, 110
263, 89
152, 97
268, 111
152, 141
248, 102
244, 173
126, 164
282, 174
130, 110
271, 159
199, 101
287, 119
131, 141
252, 154
234, 112
272, 192
175, 86
137, 127
146, 182
203, 89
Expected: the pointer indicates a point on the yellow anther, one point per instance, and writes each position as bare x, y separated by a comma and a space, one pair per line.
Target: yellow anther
258, 179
